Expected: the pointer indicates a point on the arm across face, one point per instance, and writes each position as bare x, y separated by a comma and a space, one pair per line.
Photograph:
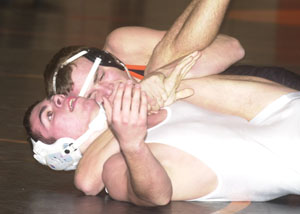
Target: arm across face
127, 116
164, 90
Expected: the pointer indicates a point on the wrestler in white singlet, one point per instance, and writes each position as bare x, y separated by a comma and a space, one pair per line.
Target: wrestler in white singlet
256, 160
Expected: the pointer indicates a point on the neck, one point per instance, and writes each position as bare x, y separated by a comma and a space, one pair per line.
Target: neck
97, 136
105, 137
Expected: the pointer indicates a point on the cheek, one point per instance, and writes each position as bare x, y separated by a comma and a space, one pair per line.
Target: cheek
70, 126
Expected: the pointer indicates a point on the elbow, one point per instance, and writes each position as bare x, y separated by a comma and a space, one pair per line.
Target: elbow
166, 198
85, 185
160, 201
163, 201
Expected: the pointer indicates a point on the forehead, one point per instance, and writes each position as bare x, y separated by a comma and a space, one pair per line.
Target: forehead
35, 117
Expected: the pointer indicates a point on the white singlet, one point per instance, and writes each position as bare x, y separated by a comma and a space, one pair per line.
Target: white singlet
254, 161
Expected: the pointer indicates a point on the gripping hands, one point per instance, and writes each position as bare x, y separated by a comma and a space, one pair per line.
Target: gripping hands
164, 89
128, 115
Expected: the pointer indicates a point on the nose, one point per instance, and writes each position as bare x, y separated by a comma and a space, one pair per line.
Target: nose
58, 100
107, 89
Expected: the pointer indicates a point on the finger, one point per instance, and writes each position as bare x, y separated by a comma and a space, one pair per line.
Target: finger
143, 107
108, 109
112, 96
188, 66
184, 93
175, 77
155, 107
117, 102
127, 98
135, 105
185, 63
163, 93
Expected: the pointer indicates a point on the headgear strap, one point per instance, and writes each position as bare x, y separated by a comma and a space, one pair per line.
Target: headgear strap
93, 54
71, 59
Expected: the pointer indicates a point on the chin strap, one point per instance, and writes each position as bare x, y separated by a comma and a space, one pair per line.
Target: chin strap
65, 153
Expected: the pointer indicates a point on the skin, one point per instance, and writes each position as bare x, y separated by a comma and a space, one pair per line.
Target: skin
63, 116
199, 22
107, 76
131, 112
116, 164
256, 94
59, 118
222, 53
162, 165
134, 193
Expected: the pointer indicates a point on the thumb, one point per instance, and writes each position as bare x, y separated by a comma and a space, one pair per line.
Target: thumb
184, 93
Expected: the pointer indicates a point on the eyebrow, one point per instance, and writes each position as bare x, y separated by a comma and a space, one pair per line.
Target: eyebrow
40, 114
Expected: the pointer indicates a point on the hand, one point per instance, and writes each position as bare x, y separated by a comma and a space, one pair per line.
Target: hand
127, 116
172, 82
153, 85
164, 90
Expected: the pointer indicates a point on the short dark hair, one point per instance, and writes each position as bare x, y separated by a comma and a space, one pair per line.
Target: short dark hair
28, 127
64, 83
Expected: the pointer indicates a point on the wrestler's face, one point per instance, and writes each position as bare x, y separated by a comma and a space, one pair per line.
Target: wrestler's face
103, 81
63, 116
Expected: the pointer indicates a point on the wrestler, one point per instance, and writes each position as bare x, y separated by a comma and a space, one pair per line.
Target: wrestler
200, 20
146, 167
69, 78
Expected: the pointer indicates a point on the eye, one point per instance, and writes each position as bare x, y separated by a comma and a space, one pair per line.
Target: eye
102, 75
92, 95
89, 95
50, 115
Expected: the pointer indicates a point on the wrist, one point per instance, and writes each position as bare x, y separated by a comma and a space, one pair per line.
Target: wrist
133, 148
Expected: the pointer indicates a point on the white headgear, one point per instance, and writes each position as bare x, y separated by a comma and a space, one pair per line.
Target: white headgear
65, 154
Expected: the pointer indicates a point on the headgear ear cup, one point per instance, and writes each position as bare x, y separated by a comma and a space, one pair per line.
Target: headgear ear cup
67, 157
65, 154
57, 156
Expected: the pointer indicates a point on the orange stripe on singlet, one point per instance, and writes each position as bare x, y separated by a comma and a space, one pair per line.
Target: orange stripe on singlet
136, 70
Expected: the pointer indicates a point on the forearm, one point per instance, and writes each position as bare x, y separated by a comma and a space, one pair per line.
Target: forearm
192, 31
88, 175
148, 182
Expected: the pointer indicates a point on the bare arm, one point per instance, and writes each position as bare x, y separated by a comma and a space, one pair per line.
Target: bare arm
242, 96
194, 30
148, 184
88, 175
